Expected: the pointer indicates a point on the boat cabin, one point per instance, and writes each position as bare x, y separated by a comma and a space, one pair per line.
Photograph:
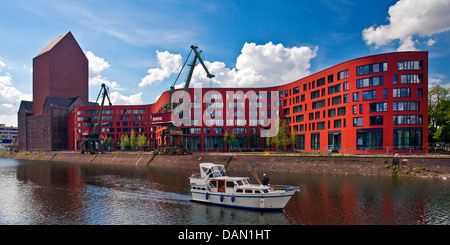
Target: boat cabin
217, 180
211, 170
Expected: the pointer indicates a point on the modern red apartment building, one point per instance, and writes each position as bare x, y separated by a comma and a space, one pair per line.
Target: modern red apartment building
375, 104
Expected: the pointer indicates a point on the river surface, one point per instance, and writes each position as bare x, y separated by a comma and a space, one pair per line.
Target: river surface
39, 192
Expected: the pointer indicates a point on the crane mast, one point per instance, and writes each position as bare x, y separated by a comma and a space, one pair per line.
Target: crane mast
91, 140
172, 136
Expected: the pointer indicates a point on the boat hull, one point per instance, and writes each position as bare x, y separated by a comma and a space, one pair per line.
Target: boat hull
268, 201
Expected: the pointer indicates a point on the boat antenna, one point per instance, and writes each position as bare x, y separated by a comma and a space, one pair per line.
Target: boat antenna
250, 169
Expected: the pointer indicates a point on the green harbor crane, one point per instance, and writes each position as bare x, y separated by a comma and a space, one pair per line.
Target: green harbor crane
92, 143
172, 136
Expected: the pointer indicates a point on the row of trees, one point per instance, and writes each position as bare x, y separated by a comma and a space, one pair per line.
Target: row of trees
438, 114
128, 142
285, 138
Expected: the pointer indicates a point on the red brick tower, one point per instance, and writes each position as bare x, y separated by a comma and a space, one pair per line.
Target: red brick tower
60, 70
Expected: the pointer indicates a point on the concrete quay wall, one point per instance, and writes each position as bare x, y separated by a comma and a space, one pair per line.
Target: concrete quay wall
414, 166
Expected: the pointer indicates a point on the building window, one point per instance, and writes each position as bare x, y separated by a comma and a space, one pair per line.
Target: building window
315, 141
385, 93
410, 65
300, 142
331, 78
334, 89
375, 120
420, 92
318, 104
331, 112
357, 121
337, 123
213, 142
341, 111
401, 92
346, 86
407, 119
315, 94
336, 100
298, 108
377, 107
355, 96
411, 78
345, 98
342, 74
369, 139
369, 82
321, 82
296, 90
407, 138
369, 95
372, 68
406, 106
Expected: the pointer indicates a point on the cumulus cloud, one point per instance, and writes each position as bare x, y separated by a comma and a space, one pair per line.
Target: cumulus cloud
169, 64
96, 66
10, 98
409, 19
119, 99
256, 66
260, 66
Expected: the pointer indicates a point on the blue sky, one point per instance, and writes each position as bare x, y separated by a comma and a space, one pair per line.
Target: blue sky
136, 47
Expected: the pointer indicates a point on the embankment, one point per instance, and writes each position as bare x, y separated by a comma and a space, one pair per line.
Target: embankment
414, 166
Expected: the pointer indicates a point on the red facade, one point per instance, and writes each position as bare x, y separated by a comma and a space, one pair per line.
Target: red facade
375, 104
60, 83
60, 70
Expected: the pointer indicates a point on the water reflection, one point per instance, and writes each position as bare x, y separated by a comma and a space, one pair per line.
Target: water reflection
34, 192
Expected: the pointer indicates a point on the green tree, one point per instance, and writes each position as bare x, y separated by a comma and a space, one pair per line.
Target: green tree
142, 141
133, 140
233, 140
438, 114
124, 142
226, 135
108, 142
283, 138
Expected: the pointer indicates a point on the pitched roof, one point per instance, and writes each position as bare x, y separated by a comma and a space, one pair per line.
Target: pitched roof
66, 103
53, 43
26, 105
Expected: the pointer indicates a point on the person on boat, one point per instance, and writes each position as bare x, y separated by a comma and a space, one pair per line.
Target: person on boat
265, 179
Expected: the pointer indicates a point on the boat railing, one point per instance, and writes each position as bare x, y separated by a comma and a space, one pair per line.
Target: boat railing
285, 188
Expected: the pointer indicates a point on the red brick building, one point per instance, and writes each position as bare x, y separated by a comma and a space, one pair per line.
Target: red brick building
60, 84
374, 104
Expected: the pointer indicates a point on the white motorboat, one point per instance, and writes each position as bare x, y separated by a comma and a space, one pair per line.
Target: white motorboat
213, 185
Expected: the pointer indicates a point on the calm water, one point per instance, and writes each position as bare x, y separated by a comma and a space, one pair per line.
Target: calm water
35, 192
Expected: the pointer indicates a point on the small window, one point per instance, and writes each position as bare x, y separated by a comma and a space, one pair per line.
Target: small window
248, 191
239, 191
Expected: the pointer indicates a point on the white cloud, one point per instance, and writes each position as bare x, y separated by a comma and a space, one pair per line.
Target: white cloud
410, 18
96, 66
256, 66
2, 65
169, 64
431, 42
119, 99
260, 66
10, 98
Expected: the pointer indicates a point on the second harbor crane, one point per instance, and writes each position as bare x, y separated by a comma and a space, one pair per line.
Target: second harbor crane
172, 136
